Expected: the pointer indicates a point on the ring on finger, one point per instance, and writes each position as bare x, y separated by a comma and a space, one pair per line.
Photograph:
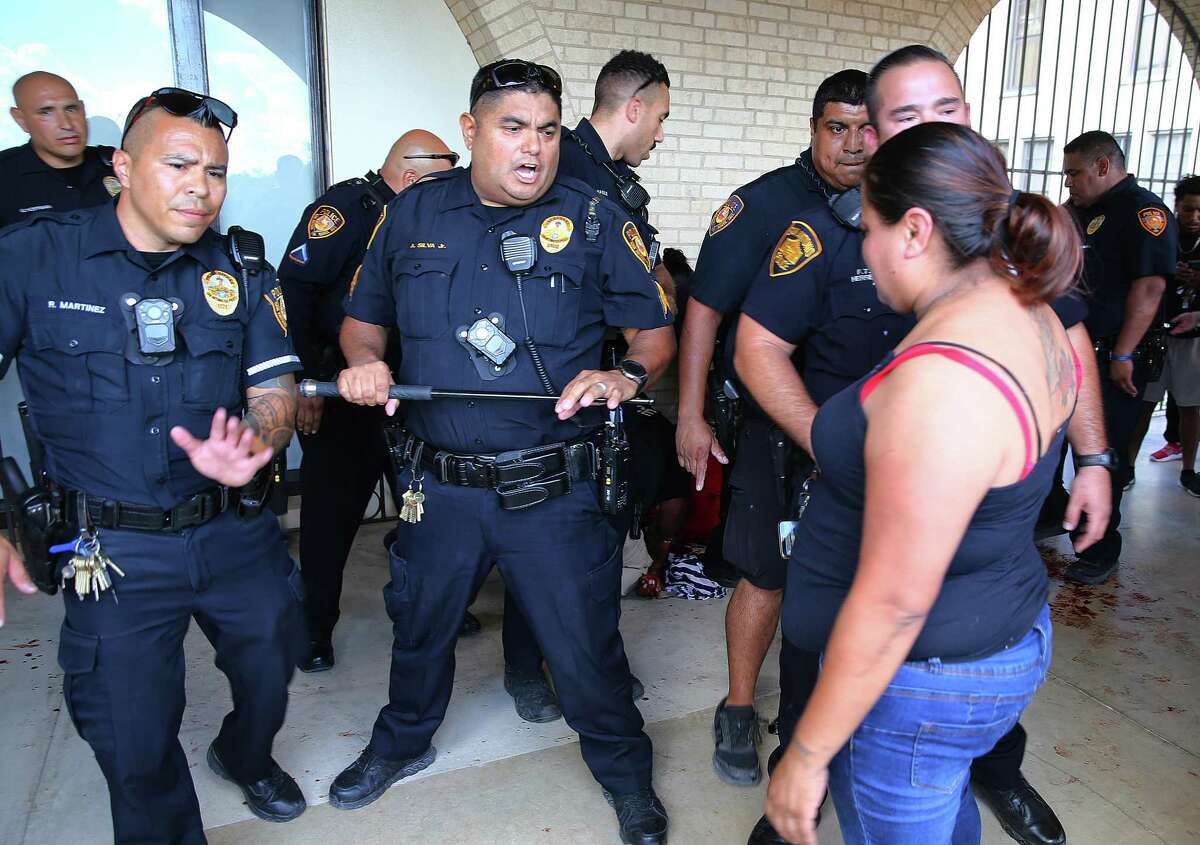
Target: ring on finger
603, 388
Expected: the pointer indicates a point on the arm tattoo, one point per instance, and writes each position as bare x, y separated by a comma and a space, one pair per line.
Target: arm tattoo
1060, 371
271, 411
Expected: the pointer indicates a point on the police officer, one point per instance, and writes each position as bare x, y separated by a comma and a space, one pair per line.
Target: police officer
503, 277
632, 100
344, 450
755, 222
159, 379
1131, 242
56, 170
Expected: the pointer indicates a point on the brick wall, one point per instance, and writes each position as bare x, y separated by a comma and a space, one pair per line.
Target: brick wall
743, 74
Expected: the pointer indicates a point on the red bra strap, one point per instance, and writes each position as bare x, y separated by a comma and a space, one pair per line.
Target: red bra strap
961, 357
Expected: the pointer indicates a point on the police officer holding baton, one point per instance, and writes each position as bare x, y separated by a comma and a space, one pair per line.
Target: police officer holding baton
502, 277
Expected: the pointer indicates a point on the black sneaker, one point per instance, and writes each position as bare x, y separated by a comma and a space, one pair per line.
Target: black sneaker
275, 798
642, 817
532, 696
1190, 482
370, 775
737, 735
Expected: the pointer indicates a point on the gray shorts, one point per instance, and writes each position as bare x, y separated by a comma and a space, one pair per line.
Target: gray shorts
1180, 375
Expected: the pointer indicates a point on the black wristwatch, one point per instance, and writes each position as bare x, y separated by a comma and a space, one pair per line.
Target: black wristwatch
1106, 459
635, 372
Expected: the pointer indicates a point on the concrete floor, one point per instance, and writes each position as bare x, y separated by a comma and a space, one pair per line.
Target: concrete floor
1114, 734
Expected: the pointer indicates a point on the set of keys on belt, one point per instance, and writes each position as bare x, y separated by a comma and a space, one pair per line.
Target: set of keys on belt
88, 567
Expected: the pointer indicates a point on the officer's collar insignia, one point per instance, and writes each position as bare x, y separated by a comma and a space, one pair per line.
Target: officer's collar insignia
633, 240
726, 214
325, 221
556, 233
797, 246
220, 292
1094, 224
111, 184
299, 254
1153, 220
275, 300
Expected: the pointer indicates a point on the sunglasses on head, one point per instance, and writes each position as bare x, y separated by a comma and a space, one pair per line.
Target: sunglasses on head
450, 157
513, 73
183, 103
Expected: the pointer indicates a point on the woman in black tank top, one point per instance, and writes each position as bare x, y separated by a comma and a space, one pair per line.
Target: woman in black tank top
918, 578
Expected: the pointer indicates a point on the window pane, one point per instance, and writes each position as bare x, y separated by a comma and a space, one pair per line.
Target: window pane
1035, 161
87, 42
259, 62
75, 39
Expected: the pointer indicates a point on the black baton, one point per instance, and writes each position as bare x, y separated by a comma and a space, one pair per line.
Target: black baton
424, 393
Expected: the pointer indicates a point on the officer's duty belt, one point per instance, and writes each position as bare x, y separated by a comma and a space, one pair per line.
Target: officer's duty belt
109, 513
522, 477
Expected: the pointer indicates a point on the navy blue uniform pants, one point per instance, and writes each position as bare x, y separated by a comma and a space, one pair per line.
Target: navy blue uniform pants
561, 561
123, 663
339, 472
1122, 413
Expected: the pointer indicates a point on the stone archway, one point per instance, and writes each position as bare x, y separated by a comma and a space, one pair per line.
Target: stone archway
498, 28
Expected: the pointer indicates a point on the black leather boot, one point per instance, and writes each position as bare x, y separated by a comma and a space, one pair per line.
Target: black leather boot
642, 817
370, 775
319, 657
275, 798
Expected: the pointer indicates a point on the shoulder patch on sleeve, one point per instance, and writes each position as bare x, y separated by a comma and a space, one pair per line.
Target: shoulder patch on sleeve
633, 240
325, 221
1153, 220
797, 246
274, 298
726, 214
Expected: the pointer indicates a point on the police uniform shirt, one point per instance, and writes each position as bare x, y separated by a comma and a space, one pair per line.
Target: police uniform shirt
31, 185
1128, 234
588, 167
104, 422
741, 234
433, 268
814, 291
319, 266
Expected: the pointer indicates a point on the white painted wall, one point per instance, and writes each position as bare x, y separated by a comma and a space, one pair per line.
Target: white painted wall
393, 65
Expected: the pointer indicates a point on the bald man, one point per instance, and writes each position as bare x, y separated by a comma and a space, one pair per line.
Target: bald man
344, 449
55, 170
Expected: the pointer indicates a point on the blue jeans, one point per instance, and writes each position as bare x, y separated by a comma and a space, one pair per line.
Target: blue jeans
904, 776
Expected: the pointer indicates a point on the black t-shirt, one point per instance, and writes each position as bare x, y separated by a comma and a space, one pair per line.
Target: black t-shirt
155, 259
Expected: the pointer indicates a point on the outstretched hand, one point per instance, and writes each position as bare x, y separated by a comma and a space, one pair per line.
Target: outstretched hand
12, 567
231, 455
